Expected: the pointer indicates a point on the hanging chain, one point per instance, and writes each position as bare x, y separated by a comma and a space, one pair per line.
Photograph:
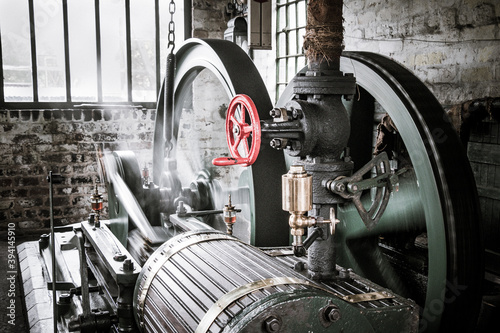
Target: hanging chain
171, 26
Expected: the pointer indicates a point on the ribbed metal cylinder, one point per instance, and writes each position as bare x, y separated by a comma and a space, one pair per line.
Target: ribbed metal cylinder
200, 281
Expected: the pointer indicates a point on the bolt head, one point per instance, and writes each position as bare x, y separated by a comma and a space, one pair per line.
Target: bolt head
128, 266
275, 113
272, 324
340, 187
332, 313
275, 143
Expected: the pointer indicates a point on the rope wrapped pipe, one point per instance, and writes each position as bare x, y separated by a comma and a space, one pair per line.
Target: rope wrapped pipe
323, 41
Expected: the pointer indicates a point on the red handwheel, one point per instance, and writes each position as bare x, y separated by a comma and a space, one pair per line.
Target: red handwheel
238, 133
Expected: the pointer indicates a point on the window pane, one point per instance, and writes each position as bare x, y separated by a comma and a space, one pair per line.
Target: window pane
113, 51
50, 50
16, 51
292, 42
82, 50
143, 50
302, 13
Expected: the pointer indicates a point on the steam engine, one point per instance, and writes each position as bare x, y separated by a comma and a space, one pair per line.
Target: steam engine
309, 224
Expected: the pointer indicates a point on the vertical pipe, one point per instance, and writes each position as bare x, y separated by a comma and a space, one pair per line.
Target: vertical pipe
323, 41
34, 65
84, 276
66, 50
128, 41
157, 46
53, 253
277, 92
98, 49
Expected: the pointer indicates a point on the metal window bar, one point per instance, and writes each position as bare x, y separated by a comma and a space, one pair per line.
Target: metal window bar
128, 39
98, 49
67, 71
2, 96
34, 65
157, 46
284, 54
97, 15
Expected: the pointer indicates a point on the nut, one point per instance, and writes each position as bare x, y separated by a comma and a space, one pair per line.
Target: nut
272, 324
332, 313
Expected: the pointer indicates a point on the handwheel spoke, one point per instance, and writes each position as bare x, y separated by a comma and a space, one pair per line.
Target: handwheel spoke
246, 130
237, 142
235, 121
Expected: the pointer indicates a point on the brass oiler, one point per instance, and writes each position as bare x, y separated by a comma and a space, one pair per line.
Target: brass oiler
297, 199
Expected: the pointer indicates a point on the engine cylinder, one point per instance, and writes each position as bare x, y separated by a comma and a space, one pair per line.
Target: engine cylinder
207, 281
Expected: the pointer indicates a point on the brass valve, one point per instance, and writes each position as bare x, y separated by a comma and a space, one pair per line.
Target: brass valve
229, 214
297, 192
96, 203
297, 199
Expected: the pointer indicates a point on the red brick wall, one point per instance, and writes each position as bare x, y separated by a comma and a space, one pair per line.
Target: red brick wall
34, 142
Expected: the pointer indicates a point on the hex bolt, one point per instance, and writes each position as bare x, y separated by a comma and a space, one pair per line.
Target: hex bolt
296, 113
275, 113
128, 266
299, 266
272, 324
332, 313
43, 242
276, 143
339, 187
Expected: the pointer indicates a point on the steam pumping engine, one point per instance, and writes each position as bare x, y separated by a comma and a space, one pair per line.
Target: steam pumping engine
312, 223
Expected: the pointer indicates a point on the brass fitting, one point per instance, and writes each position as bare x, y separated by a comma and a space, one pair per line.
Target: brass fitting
96, 203
297, 199
229, 214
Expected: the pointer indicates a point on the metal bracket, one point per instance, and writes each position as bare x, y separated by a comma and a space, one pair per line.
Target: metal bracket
352, 188
373, 296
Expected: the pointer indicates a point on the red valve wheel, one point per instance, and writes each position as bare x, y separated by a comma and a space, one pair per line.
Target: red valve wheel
238, 132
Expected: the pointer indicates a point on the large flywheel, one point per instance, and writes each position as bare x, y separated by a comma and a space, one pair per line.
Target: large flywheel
427, 245
209, 74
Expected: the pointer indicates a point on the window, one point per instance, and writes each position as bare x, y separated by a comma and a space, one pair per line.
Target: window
290, 31
84, 51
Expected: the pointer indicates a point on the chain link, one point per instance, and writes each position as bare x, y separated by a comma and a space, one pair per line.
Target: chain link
171, 26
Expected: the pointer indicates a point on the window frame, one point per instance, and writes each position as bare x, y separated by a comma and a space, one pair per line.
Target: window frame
280, 55
69, 103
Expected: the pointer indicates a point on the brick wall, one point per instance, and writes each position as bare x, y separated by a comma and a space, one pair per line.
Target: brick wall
451, 45
209, 18
34, 142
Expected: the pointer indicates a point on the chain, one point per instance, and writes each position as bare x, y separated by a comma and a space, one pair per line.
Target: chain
171, 26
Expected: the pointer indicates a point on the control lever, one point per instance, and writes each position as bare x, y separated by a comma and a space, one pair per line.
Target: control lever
384, 181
